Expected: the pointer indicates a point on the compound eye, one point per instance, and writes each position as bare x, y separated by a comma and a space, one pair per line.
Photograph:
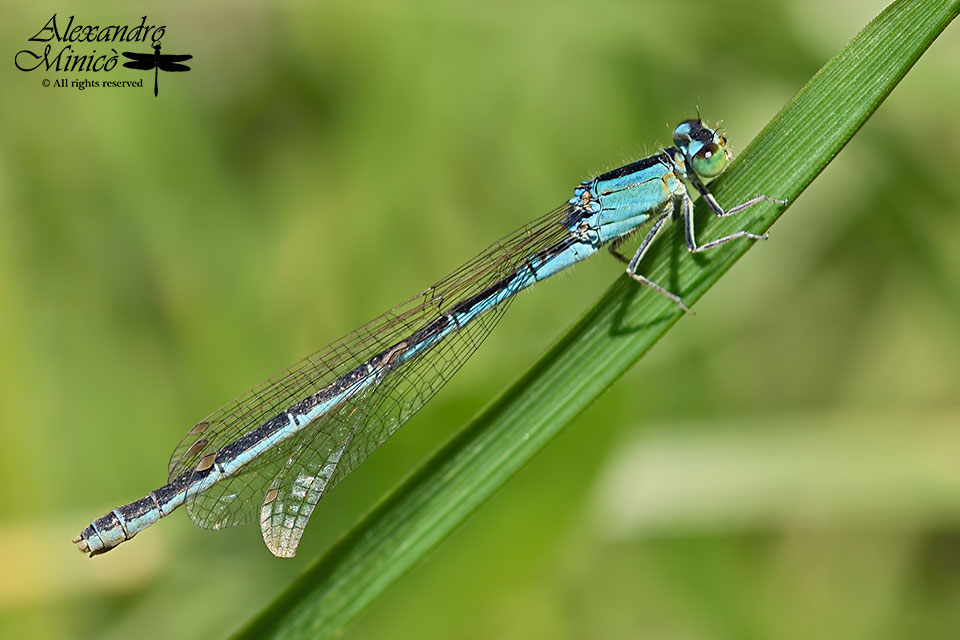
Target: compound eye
682, 132
710, 161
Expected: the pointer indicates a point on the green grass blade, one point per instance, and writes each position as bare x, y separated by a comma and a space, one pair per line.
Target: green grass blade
787, 155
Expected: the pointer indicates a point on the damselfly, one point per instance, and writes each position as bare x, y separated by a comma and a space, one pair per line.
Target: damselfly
276, 450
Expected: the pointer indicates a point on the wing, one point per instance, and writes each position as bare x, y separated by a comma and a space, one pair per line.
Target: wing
287, 503
138, 56
237, 499
170, 57
360, 426
339, 440
173, 66
145, 65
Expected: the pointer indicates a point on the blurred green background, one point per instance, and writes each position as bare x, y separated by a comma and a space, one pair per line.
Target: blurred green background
782, 465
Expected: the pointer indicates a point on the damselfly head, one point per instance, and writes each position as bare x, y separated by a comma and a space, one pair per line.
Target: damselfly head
704, 148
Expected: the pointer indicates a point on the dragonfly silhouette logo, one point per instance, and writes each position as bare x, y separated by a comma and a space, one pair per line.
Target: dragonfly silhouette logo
157, 62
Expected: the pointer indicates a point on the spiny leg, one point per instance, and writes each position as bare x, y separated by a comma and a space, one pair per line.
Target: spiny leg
720, 213
688, 224
635, 260
718, 210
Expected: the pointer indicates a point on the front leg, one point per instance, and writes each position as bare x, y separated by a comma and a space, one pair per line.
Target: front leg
715, 206
688, 223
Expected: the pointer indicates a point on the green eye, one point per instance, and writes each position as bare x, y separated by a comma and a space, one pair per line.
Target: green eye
710, 161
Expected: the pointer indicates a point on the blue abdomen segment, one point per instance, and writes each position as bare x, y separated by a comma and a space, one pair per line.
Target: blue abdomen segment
119, 525
123, 523
532, 271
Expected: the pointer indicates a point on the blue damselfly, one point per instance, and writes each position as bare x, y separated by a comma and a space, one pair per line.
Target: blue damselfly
276, 450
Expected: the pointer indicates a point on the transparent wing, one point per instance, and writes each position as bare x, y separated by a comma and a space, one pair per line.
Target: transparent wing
289, 500
236, 499
360, 426
363, 422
